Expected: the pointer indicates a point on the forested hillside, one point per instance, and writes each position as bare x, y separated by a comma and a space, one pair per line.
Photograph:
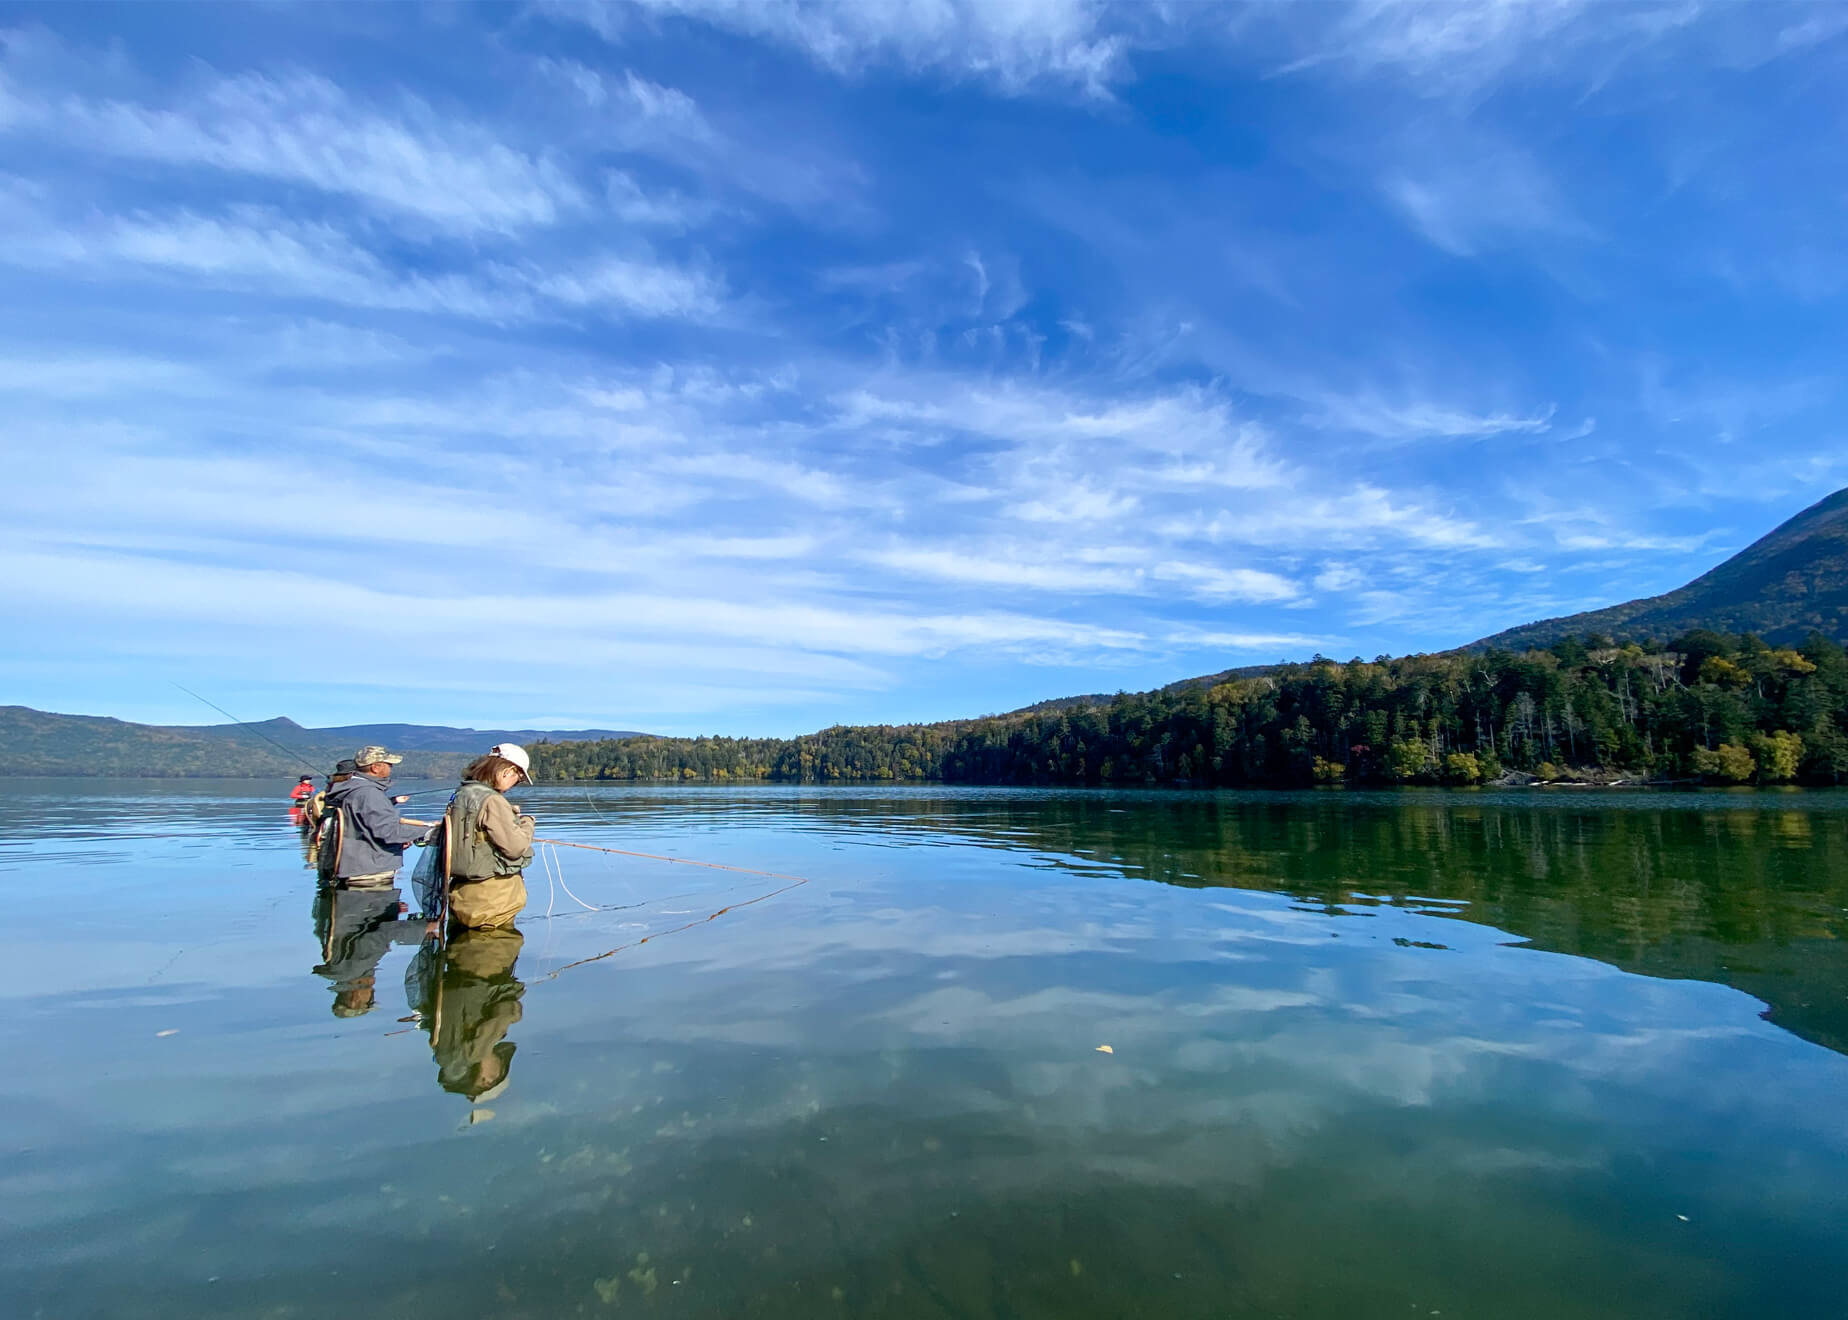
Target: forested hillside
36, 742
1709, 707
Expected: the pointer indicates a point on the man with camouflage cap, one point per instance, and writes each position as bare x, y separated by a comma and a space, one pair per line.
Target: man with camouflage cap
372, 837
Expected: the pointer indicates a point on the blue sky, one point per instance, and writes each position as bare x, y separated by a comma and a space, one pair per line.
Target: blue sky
704, 366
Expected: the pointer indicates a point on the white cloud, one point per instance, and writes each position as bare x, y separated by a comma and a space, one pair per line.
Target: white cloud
1423, 419
1440, 38
1185, 426
180, 594
251, 250
639, 287
632, 111
1445, 47
1002, 568
1112, 572
1476, 195
254, 250
1364, 516
633, 204
1339, 577
1216, 583
1013, 44
1294, 643
299, 128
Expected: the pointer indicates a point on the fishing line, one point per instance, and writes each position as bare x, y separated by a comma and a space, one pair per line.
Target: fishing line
645, 903
559, 863
594, 811
680, 861
711, 916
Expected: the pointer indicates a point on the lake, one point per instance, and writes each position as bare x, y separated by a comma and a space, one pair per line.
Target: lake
1396, 1054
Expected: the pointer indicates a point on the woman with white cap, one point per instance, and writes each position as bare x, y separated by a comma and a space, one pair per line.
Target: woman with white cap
490, 843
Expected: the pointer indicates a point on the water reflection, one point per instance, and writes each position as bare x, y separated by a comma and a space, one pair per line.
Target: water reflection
1742, 889
1334, 1090
467, 996
355, 929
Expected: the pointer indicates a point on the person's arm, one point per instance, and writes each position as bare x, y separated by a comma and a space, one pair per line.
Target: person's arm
509, 832
382, 823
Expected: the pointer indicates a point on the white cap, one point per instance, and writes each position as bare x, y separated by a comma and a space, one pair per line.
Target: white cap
517, 755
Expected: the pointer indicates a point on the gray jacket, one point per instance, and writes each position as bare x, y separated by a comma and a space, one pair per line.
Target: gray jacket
374, 839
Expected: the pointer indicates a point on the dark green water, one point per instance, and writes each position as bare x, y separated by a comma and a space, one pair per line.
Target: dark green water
1394, 1055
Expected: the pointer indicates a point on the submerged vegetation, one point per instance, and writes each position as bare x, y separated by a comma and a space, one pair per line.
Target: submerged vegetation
1705, 707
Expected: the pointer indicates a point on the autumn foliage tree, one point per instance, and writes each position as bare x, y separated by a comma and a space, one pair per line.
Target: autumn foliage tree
1706, 706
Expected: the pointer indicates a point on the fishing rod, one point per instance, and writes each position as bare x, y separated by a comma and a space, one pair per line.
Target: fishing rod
246, 724
286, 751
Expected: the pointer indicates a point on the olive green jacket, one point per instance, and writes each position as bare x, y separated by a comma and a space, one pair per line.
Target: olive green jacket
486, 836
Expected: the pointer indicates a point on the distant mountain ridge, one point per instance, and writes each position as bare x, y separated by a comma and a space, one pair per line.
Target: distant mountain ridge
1784, 586
35, 742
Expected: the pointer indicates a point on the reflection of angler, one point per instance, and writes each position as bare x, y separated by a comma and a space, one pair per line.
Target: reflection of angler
468, 997
356, 927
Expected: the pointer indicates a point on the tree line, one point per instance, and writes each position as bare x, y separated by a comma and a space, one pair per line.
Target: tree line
1705, 707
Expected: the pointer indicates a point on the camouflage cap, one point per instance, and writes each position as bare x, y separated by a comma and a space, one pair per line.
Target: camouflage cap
373, 755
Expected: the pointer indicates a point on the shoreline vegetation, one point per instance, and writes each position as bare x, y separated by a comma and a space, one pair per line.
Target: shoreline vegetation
1704, 708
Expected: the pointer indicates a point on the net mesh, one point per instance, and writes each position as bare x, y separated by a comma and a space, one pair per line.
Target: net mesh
427, 877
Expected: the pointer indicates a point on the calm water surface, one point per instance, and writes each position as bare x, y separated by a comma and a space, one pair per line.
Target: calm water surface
1393, 1055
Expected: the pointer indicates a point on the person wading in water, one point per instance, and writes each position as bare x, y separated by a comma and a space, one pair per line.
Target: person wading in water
490, 843
372, 836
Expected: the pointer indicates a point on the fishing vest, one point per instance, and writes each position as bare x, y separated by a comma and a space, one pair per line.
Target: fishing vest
471, 855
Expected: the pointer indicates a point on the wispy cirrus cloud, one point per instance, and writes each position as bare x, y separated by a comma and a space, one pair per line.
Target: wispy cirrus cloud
1441, 47
297, 128
1424, 419
1081, 44
1476, 194
257, 250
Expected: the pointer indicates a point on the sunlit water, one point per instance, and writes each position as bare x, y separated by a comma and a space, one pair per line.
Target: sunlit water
1394, 1055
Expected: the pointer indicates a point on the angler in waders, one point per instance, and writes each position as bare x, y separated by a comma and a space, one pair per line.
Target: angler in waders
314, 817
298, 799
490, 843
370, 838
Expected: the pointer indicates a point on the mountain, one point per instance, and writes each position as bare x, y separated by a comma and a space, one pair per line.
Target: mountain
1782, 587
35, 742
436, 737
